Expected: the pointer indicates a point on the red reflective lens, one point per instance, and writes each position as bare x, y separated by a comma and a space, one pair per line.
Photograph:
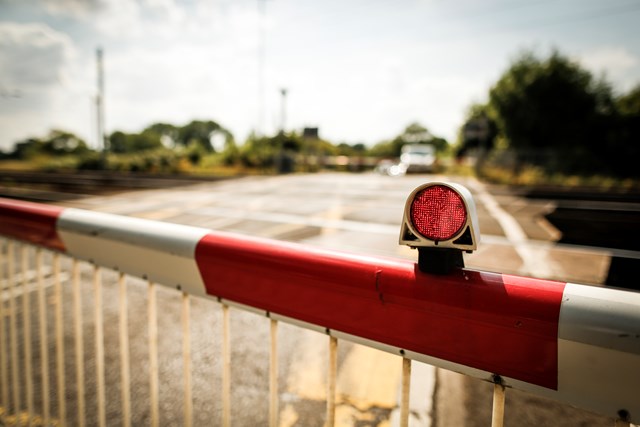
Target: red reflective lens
438, 213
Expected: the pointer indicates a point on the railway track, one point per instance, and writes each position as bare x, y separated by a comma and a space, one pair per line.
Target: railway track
56, 186
607, 225
593, 217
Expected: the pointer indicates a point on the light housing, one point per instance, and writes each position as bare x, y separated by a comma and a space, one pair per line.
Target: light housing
441, 216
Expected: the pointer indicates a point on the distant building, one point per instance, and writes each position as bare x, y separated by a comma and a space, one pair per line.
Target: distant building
310, 133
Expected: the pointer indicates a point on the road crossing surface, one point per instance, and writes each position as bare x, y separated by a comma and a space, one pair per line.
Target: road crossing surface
347, 212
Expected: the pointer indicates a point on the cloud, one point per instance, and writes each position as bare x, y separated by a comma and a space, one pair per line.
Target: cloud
164, 20
145, 19
617, 64
74, 8
113, 18
38, 82
33, 57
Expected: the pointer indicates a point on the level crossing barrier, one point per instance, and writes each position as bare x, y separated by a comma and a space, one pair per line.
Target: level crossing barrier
568, 342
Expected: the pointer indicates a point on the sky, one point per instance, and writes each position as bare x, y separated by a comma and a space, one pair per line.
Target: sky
359, 70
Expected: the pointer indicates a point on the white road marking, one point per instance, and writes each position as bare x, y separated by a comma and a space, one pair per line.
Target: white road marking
535, 260
314, 221
329, 221
307, 374
369, 377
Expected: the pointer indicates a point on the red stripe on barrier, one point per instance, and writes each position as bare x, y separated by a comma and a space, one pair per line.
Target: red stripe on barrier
32, 222
501, 324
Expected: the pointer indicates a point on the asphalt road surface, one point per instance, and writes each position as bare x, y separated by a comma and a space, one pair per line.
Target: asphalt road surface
348, 212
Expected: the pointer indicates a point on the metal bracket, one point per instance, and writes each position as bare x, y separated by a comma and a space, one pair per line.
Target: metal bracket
439, 260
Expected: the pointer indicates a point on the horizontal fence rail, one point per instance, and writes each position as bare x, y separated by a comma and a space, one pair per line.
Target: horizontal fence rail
572, 343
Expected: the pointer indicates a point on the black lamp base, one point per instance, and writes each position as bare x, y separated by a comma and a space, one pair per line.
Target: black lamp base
439, 260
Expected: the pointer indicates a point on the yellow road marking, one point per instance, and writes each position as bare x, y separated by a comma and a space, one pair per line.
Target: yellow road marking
307, 378
369, 377
160, 214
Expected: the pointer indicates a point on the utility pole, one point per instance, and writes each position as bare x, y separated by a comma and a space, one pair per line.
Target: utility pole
262, 27
283, 117
281, 161
101, 137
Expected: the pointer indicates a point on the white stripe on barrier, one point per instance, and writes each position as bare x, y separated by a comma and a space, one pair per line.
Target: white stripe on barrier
599, 349
605, 317
160, 252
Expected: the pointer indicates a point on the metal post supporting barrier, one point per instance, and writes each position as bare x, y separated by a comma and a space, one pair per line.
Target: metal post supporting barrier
26, 319
125, 371
99, 334
226, 368
406, 387
59, 326
13, 331
44, 350
186, 360
153, 354
497, 415
331, 381
273, 374
79, 342
4, 370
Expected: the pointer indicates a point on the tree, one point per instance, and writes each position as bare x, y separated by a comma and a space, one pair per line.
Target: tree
167, 133
27, 149
624, 140
415, 133
629, 104
62, 142
552, 105
257, 152
479, 131
200, 132
267, 151
121, 142
344, 149
56, 143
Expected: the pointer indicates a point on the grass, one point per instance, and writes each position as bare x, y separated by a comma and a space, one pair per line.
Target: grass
536, 176
212, 165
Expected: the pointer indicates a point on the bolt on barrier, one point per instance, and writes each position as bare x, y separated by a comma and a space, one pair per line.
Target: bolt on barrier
568, 342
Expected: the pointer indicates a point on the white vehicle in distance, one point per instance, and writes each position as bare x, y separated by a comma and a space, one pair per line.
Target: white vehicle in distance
418, 158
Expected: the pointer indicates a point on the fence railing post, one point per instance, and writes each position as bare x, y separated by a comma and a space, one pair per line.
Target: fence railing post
44, 340
497, 415
623, 419
186, 360
406, 387
273, 375
99, 331
13, 330
226, 368
331, 382
153, 354
26, 320
125, 373
4, 371
79, 341
62, 408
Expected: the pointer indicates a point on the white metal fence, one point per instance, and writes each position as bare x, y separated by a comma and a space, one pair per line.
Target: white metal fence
56, 370
82, 343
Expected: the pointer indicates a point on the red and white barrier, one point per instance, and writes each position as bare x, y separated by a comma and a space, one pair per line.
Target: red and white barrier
573, 343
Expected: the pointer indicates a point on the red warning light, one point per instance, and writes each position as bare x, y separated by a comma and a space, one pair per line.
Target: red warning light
438, 213
440, 221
